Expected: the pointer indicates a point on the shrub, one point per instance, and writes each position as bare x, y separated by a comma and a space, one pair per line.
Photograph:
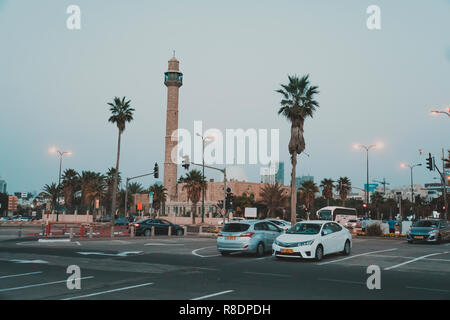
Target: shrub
374, 230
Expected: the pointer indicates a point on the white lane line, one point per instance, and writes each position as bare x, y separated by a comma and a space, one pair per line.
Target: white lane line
413, 260
20, 275
213, 295
54, 240
343, 281
28, 261
122, 254
354, 256
268, 274
428, 289
42, 284
109, 291
164, 244
194, 252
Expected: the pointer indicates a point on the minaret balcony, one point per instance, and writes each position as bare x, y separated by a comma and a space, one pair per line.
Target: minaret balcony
173, 78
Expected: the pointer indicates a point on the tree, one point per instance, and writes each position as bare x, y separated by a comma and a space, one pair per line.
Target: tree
308, 191
51, 191
135, 187
377, 201
297, 104
343, 187
70, 184
243, 201
327, 189
159, 196
109, 181
121, 113
274, 198
193, 184
92, 187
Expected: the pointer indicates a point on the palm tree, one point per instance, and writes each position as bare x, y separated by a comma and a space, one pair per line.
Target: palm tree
193, 184
92, 186
159, 196
274, 198
308, 191
109, 181
70, 184
51, 191
297, 104
121, 113
377, 200
135, 187
343, 187
327, 189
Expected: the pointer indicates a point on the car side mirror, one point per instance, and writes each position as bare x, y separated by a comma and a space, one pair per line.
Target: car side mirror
323, 233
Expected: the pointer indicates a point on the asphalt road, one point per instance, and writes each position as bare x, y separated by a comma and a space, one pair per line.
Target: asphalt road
191, 268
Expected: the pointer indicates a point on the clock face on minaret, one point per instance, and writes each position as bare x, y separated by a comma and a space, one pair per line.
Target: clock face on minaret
173, 79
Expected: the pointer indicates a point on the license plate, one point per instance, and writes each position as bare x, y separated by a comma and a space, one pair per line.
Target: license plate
231, 238
287, 250
419, 237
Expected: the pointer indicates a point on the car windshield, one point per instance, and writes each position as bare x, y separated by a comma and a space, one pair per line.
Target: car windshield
426, 224
305, 228
277, 222
235, 227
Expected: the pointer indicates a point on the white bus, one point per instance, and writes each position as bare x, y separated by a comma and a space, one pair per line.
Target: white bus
338, 214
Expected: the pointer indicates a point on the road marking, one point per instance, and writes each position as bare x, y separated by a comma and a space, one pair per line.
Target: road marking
356, 255
122, 254
20, 275
54, 240
163, 244
194, 252
213, 295
343, 281
413, 260
109, 291
28, 261
428, 289
42, 284
268, 274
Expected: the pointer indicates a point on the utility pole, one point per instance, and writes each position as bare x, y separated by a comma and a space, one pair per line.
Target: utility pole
383, 183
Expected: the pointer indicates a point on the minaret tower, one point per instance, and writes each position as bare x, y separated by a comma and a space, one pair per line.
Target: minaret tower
173, 79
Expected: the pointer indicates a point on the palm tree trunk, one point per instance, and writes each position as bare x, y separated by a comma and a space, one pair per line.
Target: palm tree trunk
116, 177
194, 212
293, 190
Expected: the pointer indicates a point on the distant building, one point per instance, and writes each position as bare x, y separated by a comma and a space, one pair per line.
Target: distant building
300, 180
274, 173
3, 186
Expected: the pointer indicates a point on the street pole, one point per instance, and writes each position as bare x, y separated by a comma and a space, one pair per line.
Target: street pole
203, 175
444, 183
126, 197
367, 186
224, 194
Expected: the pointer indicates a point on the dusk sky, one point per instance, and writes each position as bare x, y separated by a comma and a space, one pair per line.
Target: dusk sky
375, 85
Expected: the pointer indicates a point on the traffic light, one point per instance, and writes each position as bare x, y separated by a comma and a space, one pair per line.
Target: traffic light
186, 163
229, 199
156, 171
430, 162
364, 205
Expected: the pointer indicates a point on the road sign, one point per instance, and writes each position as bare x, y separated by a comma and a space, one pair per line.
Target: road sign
150, 197
372, 187
250, 213
222, 211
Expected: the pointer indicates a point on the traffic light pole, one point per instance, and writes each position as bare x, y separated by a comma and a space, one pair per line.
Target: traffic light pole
131, 178
444, 185
224, 171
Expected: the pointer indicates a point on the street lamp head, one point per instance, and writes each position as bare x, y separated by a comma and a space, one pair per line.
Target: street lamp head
434, 112
379, 145
52, 150
211, 138
356, 146
69, 153
403, 165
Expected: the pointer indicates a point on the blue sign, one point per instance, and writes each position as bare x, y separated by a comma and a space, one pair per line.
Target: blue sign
372, 187
150, 197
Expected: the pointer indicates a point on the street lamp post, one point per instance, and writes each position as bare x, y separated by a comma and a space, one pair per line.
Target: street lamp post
203, 171
359, 146
404, 165
443, 112
61, 154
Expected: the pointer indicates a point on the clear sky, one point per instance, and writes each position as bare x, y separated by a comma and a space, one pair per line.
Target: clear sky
374, 85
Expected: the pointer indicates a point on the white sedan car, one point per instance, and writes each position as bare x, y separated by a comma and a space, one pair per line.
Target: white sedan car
313, 240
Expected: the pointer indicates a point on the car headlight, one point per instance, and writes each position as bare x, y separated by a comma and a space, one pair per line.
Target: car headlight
305, 243
277, 242
433, 232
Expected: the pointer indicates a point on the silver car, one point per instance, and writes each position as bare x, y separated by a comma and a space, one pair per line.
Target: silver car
255, 236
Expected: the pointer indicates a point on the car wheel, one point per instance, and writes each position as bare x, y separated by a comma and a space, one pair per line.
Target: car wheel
224, 253
319, 253
147, 233
179, 232
410, 241
439, 240
347, 248
260, 249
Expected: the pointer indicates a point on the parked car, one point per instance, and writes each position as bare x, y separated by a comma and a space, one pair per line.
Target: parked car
313, 240
353, 224
254, 236
144, 227
432, 230
25, 219
122, 222
283, 224
5, 219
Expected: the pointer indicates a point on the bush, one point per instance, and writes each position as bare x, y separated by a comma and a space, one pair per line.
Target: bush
374, 230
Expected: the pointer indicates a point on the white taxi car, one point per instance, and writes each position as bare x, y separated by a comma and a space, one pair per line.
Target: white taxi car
313, 240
